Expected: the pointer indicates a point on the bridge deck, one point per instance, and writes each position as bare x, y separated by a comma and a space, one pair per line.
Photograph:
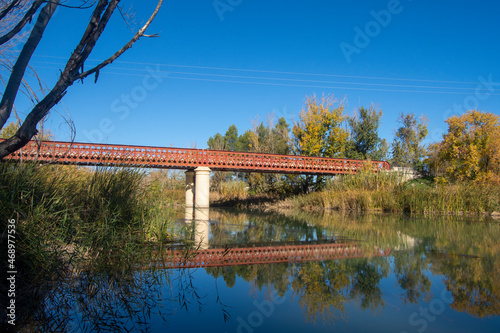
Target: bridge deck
183, 158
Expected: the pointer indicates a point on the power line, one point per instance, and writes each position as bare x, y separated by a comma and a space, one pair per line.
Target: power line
282, 79
468, 90
282, 72
347, 88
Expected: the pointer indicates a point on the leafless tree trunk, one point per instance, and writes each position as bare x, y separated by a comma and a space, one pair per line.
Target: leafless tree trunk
72, 72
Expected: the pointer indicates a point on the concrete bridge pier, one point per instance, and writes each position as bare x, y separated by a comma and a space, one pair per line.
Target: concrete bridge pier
198, 204
189, 195
202, 191
201, 233
197, 194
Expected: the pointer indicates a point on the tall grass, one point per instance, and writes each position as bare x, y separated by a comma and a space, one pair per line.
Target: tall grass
385, 191
451, 198
234, 189
365, 180
70, 218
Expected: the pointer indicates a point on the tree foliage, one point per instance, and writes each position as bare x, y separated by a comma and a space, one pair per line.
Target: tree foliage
216, 142
407, 147
11, 128
320, 130
269, 137
231, 137
471, 148
365, 142
272, 138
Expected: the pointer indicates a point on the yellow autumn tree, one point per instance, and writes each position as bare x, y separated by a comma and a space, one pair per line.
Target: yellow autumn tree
320, 130
471, 148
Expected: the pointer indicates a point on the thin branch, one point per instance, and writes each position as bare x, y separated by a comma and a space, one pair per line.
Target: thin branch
138, 35
27, 17
8, 9
27, 91
22, 61
127, 18
83, 6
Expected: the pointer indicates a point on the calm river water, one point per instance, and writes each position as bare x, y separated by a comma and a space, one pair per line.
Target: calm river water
367, 273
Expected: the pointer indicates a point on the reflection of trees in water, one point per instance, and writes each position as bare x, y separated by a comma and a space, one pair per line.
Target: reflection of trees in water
473, 282
123, 298
408, 267
366, 282
442, 246
239, 227
323, 287
260, 276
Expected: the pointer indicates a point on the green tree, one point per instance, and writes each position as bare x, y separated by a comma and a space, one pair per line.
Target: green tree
11, 128
365, 142
244, 142
381, 153
216, 142
281, 137
269, 138
407, 147
231, 137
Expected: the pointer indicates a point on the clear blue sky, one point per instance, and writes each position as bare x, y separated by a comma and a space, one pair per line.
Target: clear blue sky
222, 62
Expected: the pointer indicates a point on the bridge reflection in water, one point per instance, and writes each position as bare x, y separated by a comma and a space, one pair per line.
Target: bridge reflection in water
205, 255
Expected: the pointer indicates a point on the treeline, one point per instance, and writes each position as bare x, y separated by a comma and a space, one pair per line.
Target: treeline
470, 151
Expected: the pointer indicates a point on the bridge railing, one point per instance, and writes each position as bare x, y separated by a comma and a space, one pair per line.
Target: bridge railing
266, 254
185, 158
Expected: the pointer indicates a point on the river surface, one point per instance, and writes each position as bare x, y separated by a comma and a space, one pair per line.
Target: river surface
348, 273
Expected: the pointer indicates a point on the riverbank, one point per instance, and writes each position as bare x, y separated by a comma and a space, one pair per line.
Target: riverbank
379, 193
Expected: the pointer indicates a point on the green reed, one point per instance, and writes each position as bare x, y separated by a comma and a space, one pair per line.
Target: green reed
70, 218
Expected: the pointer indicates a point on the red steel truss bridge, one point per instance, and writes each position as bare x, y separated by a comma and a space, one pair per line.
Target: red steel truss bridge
265, 255
182, 158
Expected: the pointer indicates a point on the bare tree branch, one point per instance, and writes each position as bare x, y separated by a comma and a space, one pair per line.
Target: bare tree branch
27, 17
22, 61
8, 9
138, 35
82, 6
